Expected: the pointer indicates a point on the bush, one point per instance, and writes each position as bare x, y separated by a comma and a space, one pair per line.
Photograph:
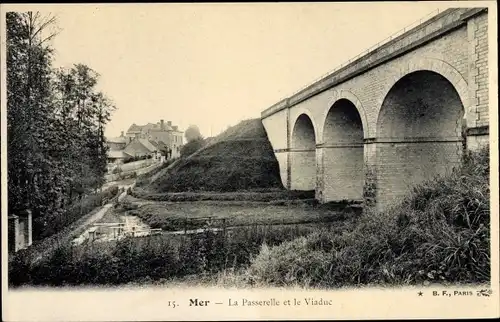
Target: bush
154, 258
438, 233
52, 224
289, 263
191, 147
129, 175
145, 179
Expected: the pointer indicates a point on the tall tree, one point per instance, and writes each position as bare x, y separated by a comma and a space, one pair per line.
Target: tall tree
87, 111
29, 110
55, 121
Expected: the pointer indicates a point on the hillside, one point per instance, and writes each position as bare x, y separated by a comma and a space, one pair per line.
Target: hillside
240, 158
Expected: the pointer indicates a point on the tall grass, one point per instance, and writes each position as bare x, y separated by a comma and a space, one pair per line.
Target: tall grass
155, 258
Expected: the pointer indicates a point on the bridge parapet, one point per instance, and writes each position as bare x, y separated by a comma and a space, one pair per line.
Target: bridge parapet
432, 28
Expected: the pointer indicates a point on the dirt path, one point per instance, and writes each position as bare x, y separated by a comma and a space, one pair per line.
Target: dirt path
46, 246
96, 217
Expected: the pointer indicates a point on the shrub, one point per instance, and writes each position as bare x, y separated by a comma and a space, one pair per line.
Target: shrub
52, 224
137, 158
440, 232
145, 179
153, 258
289, 263
191, 147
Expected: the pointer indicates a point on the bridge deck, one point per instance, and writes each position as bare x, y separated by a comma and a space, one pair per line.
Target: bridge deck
432, 28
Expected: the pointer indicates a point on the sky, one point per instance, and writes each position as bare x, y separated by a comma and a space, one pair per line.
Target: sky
214, 65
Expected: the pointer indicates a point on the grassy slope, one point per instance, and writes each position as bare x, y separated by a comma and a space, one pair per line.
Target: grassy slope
241, 158
176, 216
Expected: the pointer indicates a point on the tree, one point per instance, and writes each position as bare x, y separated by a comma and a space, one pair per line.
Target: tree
85, 111
193, 133
29, 117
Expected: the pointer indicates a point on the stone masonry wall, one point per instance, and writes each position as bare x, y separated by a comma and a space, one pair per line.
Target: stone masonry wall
477, 30
393, 163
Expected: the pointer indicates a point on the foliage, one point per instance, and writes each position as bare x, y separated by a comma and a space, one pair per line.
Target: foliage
52, 224
191, 147
55, 124
439, 233
145, 178
148, 259
193, 133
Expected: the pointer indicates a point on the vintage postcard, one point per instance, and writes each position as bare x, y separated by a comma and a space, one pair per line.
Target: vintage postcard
249, 161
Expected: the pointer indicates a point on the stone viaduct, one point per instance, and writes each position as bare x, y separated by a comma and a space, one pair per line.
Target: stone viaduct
398, 115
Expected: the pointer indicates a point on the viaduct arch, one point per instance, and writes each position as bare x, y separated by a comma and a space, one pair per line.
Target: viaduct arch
303, 153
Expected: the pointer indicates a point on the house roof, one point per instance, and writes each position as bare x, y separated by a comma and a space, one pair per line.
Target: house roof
127, 153
148, 127
151, 127
155, 144
147, 144
134, 128
166, 128
119, 139
117, 154
136, 148
161, 145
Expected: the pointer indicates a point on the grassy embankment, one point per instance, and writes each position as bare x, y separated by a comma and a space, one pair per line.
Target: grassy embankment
239, 159
171, 216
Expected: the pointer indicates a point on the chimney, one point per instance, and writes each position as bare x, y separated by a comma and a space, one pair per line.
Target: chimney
161, 124
121, 134
169, 123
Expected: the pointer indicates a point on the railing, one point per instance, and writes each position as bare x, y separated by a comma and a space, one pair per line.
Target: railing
367, 51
